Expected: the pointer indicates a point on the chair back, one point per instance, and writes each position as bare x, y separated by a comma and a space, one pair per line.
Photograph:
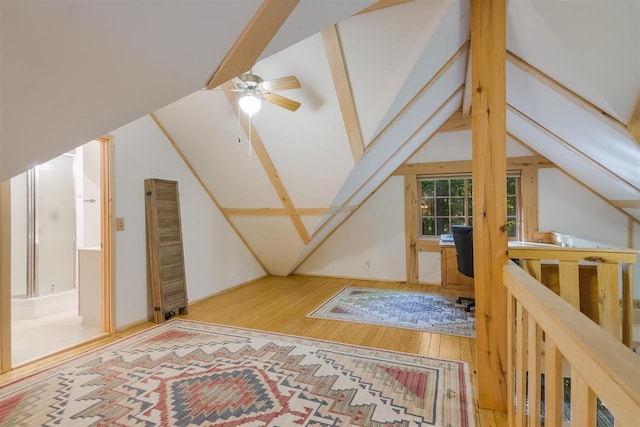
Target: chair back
463, 240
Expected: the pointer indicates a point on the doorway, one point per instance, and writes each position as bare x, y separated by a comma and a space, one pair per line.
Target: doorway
59, 224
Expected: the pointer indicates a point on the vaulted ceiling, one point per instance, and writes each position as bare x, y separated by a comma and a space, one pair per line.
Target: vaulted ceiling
376, 86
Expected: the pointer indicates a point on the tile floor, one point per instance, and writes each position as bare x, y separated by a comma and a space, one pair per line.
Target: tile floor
34, 338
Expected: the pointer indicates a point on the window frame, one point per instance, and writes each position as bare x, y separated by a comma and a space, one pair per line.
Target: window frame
519, 232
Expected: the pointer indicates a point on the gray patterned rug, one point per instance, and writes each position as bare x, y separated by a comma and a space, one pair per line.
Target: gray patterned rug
410, 310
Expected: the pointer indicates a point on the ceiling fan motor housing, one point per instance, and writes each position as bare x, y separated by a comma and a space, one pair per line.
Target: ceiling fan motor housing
250, 80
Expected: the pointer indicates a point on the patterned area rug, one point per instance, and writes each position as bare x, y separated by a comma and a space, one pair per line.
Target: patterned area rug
185, 373
409, 310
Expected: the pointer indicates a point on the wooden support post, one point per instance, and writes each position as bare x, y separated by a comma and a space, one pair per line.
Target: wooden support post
529, 200
489, 167
411, 226
627, 304
5, 276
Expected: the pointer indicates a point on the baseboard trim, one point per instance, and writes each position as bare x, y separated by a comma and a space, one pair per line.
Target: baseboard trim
231, 288
348, 278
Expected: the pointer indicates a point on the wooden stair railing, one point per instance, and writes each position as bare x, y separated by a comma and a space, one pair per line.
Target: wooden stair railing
600, 365
593, 290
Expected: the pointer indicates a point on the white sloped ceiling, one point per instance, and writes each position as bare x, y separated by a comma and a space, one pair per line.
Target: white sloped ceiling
70, 74
592, 51
75, 70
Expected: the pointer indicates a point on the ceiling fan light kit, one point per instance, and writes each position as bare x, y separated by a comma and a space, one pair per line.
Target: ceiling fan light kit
249, 102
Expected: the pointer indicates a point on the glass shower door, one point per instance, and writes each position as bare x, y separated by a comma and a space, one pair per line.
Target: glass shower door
56, 226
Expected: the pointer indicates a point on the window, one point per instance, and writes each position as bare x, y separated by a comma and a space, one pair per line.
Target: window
446, 201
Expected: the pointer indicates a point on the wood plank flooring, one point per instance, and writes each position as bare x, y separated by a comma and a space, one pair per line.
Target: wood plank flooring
281, 304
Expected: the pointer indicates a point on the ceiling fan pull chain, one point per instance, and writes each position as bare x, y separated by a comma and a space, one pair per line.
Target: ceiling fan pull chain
250, 135
239, 127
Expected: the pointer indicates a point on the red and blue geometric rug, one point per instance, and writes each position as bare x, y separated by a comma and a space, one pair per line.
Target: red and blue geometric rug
185, 373
410, 310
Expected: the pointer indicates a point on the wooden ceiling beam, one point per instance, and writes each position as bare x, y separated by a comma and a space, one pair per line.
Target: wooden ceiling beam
457, 121
466, 95
381, 4
344, 91
569, 146
254, 39
634, 122
204, 186
626, 204
464, 166
267, 164
567, 93
577, 181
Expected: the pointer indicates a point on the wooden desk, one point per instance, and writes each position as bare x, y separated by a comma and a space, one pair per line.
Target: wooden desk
453, 282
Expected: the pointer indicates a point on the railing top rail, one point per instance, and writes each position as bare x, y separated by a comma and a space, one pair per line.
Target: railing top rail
627, 256
611, 369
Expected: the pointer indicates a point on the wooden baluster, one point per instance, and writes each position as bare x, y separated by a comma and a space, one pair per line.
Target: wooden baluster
608, 303
521, 358
570, 282
511, 325
553, 402
583, 402
534, 337
627, 304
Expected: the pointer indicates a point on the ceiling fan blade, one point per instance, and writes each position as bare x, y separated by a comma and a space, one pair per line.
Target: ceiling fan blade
281, 101
282, 83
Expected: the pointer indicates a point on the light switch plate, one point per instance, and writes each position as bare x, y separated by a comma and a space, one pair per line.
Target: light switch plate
119, 224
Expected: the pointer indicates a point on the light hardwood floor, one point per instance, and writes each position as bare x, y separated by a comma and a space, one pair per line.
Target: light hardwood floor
281, 304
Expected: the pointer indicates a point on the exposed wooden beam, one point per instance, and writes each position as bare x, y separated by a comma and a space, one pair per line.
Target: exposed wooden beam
634, 122
254, 39
457, 121
265, 160
569, 146
381, 4
464, 166
272, 211
628, 204
466, 95
577, 181
489, 171
567, 93
5, 276
107, 233
204, 186
529, 202
411, 226
342, 85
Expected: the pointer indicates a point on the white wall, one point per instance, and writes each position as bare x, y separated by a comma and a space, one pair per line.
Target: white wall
373, 234
215, 258
569, 208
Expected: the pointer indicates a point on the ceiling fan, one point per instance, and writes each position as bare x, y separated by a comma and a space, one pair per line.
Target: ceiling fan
253, 90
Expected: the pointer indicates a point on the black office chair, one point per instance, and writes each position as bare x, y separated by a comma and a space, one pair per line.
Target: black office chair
463, 239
